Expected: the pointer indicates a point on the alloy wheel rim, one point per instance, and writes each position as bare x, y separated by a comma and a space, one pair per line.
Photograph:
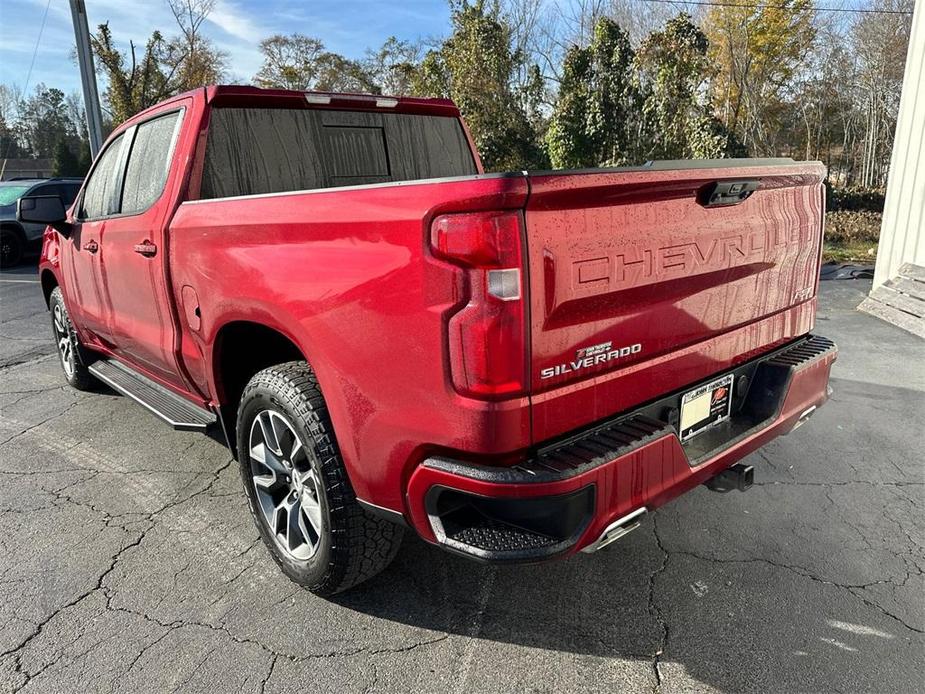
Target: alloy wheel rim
63, 340
287, 485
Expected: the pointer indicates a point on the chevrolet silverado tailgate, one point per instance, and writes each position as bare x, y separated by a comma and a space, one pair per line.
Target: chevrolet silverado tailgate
645, 280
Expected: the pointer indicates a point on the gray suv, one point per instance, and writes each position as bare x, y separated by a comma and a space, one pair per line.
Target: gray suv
17, 238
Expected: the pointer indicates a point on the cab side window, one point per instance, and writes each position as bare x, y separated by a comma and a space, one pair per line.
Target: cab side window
149, 163
99, 199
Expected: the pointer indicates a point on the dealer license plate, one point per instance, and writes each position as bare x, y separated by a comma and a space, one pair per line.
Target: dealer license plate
705, 407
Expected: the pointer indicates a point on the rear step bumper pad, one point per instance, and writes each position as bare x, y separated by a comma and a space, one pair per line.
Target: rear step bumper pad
168, 406
568, 493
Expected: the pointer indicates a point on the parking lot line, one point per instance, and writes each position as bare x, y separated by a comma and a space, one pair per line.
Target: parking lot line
21, 281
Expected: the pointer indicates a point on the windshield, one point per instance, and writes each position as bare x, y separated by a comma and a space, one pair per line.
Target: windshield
10, 194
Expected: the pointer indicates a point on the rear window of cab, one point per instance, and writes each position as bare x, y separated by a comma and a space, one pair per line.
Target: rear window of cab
252, 151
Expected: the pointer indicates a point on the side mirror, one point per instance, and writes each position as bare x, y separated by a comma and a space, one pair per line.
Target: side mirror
44, 209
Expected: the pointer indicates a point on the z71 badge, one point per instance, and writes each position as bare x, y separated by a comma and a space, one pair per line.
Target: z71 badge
591, 356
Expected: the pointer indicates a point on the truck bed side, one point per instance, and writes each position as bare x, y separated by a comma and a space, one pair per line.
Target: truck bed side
346, 275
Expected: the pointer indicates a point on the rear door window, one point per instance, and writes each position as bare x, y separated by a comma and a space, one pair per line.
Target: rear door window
254, 151
148, 163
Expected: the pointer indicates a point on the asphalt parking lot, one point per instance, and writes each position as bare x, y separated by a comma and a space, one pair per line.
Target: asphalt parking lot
129, 561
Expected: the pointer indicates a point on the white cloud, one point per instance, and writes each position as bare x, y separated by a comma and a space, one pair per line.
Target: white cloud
229, 18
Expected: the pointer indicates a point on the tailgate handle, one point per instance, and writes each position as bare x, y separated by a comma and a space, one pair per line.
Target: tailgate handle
722, 193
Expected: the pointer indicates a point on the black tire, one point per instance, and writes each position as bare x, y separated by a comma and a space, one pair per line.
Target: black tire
350, 545
72, 357
12, 247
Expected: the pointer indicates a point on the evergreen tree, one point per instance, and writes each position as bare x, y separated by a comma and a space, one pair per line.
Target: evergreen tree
476, 67
64, 161
672, 68
598, 120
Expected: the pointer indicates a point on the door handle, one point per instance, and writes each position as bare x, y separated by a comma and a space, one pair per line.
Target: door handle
146, 248
91, 246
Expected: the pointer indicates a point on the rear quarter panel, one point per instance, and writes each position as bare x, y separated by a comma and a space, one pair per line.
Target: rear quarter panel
346, 275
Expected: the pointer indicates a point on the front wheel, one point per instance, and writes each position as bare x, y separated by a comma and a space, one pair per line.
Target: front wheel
69, 352
297, 486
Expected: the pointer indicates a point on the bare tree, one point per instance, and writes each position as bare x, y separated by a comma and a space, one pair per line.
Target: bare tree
391, 67
301, 62
880, 42
640, 18
196, 60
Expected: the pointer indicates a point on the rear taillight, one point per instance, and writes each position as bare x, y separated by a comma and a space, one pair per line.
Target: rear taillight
487, 336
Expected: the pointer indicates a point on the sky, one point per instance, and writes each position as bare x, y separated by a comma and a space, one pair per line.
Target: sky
348, 27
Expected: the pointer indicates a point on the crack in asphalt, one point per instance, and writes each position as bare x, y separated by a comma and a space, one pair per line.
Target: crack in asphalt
653, 608
29, 428
139, 527
101, 587
100, 583
17, 651
26, 358
842, 483
292, 657
801, 571
144, 649
266, 678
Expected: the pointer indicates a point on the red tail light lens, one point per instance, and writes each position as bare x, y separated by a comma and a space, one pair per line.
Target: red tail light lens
478, 239
487, 337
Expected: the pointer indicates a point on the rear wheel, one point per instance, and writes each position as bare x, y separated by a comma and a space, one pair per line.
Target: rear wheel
11, 248
69, 351
297, 486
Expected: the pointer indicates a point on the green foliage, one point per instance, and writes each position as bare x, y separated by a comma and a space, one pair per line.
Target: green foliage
597, 121
568, 140
84, 160
708, 138
168, 66
672, 67
9, 146
133, 85
532, 96
475, 67
613, 118
44, 120
65, 163
191, 57
618, 107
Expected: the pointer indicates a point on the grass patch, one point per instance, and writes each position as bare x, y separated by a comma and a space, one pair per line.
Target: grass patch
858, 253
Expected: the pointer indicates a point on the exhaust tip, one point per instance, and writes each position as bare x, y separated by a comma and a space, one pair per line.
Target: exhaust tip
617, 529
803, 418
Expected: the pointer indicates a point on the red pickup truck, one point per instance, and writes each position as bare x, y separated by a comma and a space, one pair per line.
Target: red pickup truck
515, 366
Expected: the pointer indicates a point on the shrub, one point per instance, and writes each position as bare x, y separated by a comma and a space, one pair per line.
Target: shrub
854, 199
852, 227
